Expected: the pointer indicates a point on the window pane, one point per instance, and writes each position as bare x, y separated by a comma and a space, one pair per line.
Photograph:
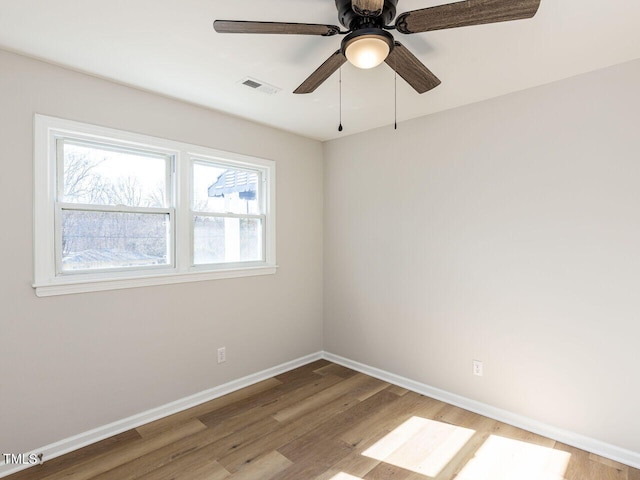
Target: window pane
225, 190
227, 240
96, 175
99, 240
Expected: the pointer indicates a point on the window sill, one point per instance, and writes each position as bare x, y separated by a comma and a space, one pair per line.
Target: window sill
68, 286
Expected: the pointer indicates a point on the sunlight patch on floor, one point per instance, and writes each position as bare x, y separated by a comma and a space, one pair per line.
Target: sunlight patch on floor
421, 445
344, 476
502, 458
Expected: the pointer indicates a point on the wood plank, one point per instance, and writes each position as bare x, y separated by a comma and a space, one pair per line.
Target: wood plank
425, 446
333, 369
216, 445
605, 461
158, 427
359, 382
582, 467
261, 398
372, 387
501, 458
271, 407
287, 432
384, 471
325, 454
298, 427
398, 390
199, 465
465, 418
354, 464
302, 372
264, 468
367, 432
160, 457
125, 453
464, 456
516, 433
64, 462
302, 447
371, 429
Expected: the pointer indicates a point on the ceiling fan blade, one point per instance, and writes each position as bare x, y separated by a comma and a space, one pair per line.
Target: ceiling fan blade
317, 78
368, 8
462, 14
238, 26
411, 69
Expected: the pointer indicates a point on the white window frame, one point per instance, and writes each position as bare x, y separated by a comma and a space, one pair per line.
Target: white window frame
262, 189
48, 280
58, 141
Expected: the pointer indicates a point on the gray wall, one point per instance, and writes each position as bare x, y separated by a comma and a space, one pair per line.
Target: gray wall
72, 363
506, 231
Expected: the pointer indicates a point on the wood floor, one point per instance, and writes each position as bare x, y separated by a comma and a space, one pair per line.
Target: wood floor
326, 422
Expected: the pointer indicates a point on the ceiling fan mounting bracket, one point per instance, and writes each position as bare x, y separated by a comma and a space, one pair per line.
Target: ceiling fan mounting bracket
353, 21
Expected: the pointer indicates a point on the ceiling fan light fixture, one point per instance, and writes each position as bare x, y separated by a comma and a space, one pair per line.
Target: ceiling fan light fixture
367, 48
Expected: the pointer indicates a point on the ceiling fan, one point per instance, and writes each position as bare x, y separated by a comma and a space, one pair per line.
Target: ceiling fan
368, 42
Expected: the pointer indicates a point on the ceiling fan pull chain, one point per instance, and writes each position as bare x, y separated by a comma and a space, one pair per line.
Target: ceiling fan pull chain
395, 99
340, 126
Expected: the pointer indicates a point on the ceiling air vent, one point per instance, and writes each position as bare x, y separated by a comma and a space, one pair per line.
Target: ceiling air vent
259, 86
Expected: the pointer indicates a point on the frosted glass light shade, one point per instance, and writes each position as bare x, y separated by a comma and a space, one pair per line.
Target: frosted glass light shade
367, 51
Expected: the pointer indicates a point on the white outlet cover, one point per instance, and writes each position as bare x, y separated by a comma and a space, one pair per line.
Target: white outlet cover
477, 368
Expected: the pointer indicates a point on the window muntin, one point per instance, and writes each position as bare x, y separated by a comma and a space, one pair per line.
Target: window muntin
167, 253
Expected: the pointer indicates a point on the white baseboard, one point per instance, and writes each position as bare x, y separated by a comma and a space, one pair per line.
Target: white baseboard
588, 444
76, 442
87, 438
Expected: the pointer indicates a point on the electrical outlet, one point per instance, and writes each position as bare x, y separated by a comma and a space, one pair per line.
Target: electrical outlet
222, 354
477, 368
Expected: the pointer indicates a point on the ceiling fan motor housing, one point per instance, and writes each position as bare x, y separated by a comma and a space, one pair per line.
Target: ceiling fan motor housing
352, 21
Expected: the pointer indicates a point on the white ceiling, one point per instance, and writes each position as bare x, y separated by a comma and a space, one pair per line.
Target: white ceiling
170, 47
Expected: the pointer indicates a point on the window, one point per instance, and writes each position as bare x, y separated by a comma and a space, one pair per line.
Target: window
119, 210
226, 214
112, 208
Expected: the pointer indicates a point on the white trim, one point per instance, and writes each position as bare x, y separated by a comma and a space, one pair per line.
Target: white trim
76, 442
48, 280
576, 440
64, 287
92, 436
